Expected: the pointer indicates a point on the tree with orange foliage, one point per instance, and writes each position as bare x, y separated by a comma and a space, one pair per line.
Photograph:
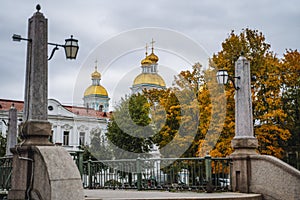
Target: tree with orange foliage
268, 115
291, 98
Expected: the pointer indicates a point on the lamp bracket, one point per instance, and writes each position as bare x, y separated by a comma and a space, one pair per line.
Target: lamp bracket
231, 78
53, 51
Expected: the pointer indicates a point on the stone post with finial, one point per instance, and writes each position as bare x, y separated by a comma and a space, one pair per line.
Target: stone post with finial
244, 141
36, 128
40, 169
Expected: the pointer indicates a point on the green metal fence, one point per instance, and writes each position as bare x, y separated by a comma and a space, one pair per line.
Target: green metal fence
201, 174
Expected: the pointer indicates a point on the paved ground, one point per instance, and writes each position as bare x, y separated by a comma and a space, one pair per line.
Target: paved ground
157, 195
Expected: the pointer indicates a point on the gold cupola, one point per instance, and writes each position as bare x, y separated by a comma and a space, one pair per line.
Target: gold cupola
152, 56
96, 74
96, 89
146, 60
149, 77
96, 96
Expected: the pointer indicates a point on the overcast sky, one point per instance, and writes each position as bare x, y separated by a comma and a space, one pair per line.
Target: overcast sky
114, 32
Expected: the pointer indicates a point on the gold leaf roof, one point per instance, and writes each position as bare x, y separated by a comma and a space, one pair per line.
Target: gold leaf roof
151, 79
95, 90
96, 75
153, 58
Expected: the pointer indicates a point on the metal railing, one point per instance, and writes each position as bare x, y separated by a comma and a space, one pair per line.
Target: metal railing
5, 173
78, 159
202, 174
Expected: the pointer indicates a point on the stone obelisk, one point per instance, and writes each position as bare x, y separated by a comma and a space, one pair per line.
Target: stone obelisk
40, 170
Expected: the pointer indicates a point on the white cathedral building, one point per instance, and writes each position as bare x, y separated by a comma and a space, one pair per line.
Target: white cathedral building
72, 125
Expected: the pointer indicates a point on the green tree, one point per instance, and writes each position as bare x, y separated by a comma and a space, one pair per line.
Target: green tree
165, 115
99, 148
129, 130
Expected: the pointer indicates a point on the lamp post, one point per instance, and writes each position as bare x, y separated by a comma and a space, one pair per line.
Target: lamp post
41, 170
244, 142
71, 48
36, 88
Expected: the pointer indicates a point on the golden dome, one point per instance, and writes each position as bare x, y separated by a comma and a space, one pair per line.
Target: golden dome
153, 58
146, 61
96, 90
151, 79
96, 74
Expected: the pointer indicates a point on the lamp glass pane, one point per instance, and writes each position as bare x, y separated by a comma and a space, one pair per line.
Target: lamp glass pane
222, 77
71, 48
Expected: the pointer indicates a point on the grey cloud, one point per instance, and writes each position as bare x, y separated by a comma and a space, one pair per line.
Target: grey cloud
208, 22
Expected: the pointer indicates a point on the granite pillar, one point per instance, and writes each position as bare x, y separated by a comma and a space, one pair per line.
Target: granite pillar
244, 142
40, 170
36, 128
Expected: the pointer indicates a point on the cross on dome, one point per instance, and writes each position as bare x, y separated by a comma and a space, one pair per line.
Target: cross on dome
96, 62
146, 49
152, 43
152, 56
96, 74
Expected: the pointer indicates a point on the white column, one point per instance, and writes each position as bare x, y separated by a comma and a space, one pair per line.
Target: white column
58, 135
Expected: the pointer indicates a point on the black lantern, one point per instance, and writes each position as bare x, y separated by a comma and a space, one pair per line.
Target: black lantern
71, 48
223, 78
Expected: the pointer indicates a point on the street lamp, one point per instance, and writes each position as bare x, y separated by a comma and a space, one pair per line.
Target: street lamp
244, 135
39, 167
244, 142
223, 78
71, 46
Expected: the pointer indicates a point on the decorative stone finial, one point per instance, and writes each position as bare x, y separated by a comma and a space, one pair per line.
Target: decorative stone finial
38, 7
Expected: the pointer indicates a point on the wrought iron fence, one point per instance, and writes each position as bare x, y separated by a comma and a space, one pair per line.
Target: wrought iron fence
5, 173
201, 174
78, 159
